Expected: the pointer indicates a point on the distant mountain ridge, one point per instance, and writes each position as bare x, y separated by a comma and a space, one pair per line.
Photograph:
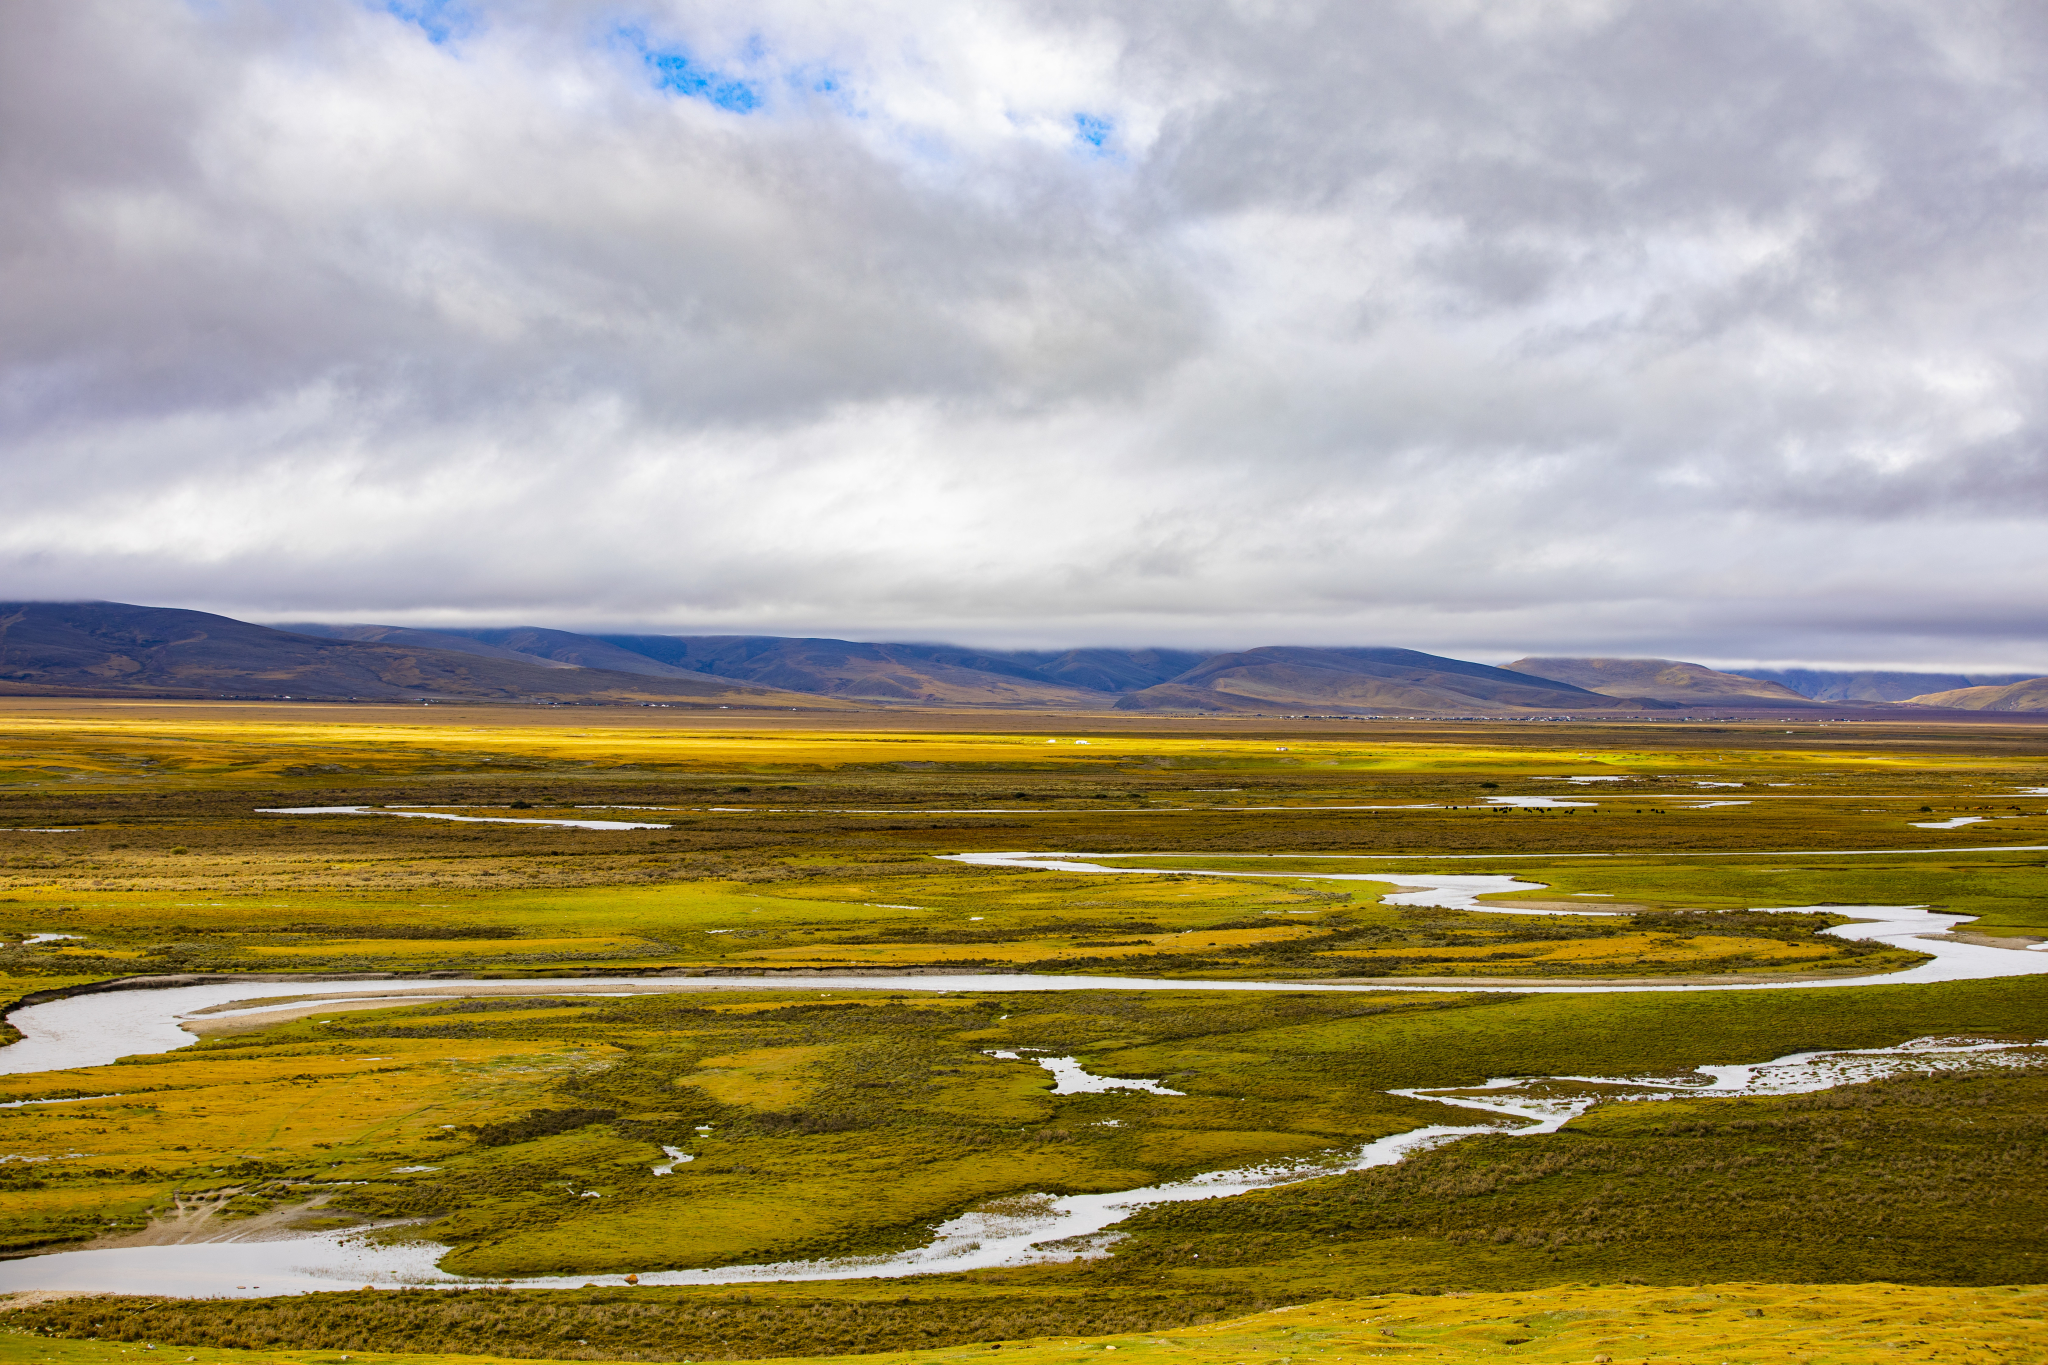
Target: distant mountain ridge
889, 673
1264, 680
1357, 680
1824, 684
548, 648
1662, 679
2029, 694
95, 648
932, 674
99, 648
1256, 681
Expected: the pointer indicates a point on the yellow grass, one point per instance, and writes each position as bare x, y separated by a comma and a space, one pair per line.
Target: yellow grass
221, 747
1739, 1324
767, 1077
412, 947
1023, 949
345, 1110
1639, 950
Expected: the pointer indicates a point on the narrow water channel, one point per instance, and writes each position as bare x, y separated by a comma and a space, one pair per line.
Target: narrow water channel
96, 1029
1021, 1230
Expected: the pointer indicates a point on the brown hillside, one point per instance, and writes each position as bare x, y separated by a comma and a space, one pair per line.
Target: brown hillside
932, 675
415, 639
549, 648
96, 648
1663, 679
2031, 695
946, 675
1359, 680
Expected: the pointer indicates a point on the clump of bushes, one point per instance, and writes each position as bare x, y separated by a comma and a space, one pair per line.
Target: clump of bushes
537, 1124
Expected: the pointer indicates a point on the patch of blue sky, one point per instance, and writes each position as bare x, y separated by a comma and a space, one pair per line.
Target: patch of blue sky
830, 87
829, 81
675, 71
1092, 133
442, 21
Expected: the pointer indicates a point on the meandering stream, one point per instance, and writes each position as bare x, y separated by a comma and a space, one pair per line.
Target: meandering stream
96, 1029
1022, 1230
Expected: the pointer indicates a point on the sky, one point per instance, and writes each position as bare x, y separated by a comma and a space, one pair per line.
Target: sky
1714, 331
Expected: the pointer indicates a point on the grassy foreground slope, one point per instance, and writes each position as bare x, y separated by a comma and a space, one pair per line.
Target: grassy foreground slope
1739, 1324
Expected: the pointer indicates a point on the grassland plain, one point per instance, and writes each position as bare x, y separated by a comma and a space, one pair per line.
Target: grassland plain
823, 1127
788, 848
851, 1123
841, 916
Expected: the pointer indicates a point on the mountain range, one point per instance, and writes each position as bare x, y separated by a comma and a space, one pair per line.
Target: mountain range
1254, 681
114, 649
1663, 680
111, 648
2029, 694
1871, 685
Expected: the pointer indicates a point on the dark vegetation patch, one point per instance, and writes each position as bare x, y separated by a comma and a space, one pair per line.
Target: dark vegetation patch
538, 1123
509, 1004
1931, 1180
418, 931
639, 1324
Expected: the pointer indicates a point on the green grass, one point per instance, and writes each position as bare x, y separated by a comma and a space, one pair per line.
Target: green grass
851, 1124
930, 915
2000, 888
844, 1125
60, 743
1925, 1180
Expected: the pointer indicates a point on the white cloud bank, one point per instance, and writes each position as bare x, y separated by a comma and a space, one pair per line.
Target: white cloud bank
1708, 329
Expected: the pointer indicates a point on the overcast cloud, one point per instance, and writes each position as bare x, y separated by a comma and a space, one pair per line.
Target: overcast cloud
1712, 330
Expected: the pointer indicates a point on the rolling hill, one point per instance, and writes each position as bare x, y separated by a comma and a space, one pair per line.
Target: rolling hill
1824, 684
1663, 679
896, 674
933, 675
2030, 695
415, 639
113, 648
548, 648
1281, 677
1111, 670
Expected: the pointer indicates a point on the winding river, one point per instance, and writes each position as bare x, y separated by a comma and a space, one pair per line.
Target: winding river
1022, 1230
95, 1029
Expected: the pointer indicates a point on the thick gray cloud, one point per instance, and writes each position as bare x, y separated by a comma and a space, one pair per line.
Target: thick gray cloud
1707, 329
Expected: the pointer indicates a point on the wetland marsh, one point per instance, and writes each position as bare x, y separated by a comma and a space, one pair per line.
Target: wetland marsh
837, 1090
